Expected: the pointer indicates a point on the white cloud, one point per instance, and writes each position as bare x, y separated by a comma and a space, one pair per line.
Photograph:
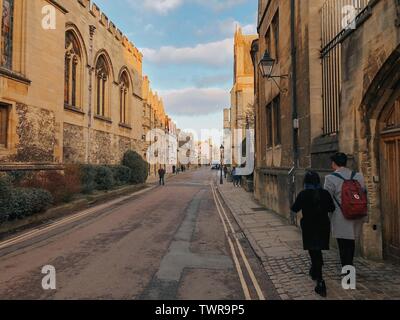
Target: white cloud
195, 101
162, 7
211, 54
219, 5
228, 27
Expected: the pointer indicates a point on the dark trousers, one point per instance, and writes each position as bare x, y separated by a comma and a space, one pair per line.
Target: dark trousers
162, 181
317, 262
346, 249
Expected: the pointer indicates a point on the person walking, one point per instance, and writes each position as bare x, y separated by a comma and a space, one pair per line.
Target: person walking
225, 171
315, 204
347, 188
234, 177
161, 174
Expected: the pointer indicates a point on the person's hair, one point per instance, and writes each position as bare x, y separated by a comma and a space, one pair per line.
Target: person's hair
313, 179
340, 159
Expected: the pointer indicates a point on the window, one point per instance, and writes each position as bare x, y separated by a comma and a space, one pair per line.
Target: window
73, 72
274, 123
102, 77
123, 98
268, 41
277, 121
269, 126
275, 28
6, 45
3, 125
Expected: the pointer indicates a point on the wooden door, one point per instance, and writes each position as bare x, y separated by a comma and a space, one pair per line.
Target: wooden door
390, 167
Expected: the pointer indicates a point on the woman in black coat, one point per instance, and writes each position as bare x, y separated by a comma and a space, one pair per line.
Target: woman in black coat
315, 204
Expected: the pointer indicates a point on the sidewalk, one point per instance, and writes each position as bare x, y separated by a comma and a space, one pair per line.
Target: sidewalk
280, 248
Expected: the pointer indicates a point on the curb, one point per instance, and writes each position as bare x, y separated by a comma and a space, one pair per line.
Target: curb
256, 248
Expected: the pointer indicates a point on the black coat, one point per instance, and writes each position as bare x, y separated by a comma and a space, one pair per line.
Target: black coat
315, 224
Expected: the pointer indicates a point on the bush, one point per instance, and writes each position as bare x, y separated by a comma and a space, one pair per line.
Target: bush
88, 178
138, 166
25, 202
5, 193
121, 174
61, 185
104, 178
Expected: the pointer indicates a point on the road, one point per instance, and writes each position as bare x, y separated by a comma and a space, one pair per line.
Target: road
172, 242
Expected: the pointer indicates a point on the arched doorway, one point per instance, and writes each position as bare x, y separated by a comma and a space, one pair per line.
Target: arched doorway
390, 173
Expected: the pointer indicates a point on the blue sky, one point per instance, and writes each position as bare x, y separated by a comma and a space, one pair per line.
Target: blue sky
188, 51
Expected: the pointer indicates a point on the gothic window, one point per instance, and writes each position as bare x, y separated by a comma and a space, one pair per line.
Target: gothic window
393, 120
6, 46
124, 98
73, 71
102, 77
3, 125
273, 113
275, 28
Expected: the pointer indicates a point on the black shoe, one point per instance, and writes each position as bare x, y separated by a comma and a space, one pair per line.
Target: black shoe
321, 288
312, 274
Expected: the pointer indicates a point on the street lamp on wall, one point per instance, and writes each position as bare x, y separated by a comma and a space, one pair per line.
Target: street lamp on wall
266, 66
222, 151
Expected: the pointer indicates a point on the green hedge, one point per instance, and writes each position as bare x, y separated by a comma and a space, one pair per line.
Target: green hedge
138, 166
121, 174
16, 203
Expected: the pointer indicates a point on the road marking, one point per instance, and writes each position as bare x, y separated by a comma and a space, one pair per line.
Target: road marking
234, 255
246, 262
41, 230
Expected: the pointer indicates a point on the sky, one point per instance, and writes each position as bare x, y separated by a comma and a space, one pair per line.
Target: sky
188, 51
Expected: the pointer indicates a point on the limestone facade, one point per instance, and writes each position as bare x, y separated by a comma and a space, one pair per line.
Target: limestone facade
344, 98
74, 92
242, 95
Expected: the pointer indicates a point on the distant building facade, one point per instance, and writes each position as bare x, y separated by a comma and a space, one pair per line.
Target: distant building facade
341, 94
242, 95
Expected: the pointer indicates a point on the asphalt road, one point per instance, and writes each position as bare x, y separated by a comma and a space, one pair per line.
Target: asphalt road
172, 242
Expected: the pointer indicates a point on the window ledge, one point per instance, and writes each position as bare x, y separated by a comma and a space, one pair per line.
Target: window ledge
14, 76
125, 126
73, 109
102, 118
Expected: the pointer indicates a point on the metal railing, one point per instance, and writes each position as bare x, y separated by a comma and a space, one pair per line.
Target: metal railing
333, 29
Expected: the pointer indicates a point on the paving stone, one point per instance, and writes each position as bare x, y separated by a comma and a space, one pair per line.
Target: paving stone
287, 265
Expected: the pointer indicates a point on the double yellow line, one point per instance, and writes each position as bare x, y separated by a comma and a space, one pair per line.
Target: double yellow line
225, 220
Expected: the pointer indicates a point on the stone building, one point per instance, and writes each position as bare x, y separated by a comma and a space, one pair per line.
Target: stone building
70, 86
242, 94
337, 90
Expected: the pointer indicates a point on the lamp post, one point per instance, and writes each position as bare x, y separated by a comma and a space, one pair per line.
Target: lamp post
266, 66
222, 149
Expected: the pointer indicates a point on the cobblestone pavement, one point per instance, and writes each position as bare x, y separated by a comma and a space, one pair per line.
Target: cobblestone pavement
279, 246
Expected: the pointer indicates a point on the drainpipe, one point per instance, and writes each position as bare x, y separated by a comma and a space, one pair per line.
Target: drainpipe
295, 121
92, 30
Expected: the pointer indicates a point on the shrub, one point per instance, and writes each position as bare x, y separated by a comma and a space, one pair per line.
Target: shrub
25, 202
138, 166
61, 185
121, 174
88, 178
5, 193
104, 178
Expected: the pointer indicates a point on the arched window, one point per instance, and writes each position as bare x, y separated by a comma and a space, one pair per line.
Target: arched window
6, 45
102, 76
73, 71
124, 98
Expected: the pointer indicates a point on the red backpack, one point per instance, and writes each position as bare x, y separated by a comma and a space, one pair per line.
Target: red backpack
354, 198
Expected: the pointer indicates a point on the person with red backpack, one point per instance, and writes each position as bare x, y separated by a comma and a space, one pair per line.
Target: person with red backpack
347, 189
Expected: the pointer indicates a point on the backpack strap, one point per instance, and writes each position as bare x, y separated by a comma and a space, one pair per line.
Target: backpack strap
337, 175
353, 175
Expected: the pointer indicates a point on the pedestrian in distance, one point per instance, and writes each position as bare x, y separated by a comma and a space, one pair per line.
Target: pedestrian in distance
225, 171
161, 174
315, 204
348, 191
